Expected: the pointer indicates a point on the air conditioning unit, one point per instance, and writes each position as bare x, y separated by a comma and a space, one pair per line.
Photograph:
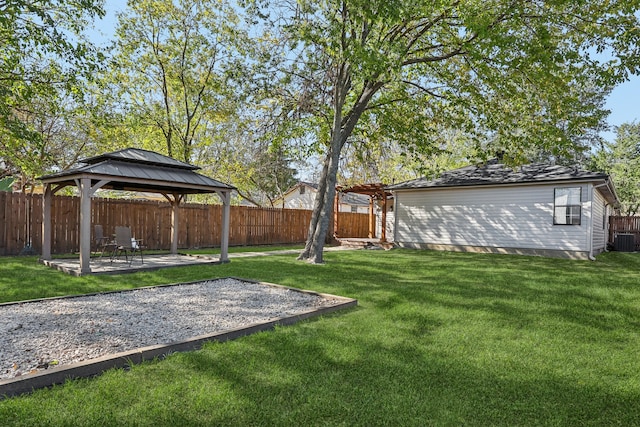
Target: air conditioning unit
624, 243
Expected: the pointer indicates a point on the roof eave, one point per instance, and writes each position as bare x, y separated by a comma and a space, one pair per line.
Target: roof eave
137, 184
499, 184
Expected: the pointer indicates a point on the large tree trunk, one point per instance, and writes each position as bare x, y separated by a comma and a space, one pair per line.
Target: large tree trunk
342, 127
323, 206
317, 208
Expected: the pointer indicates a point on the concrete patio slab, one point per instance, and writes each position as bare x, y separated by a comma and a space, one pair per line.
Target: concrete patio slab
104, 265
120, 266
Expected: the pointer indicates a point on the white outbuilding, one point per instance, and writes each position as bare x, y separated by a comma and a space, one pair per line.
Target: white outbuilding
537, 209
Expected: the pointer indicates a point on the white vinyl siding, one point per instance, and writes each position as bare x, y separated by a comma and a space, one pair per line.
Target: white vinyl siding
297, 200
304, 200
501, 217
390, 224
600, 225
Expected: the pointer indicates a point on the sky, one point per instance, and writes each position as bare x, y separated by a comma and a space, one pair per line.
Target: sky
623, 101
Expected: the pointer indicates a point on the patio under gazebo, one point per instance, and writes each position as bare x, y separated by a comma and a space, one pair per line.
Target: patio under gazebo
138, 170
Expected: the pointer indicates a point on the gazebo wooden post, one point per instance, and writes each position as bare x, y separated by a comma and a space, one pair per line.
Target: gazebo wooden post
226, 214
175, 221
85, 224
46, 222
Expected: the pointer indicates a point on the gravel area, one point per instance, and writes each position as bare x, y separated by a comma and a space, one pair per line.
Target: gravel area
38, 335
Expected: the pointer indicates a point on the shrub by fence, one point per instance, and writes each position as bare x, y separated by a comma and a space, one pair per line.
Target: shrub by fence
199, 225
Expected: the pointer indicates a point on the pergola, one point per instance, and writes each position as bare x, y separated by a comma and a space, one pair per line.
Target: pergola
375, 191
132, 169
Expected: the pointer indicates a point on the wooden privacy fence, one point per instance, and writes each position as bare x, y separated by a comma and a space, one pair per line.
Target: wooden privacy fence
199, 225
625, 225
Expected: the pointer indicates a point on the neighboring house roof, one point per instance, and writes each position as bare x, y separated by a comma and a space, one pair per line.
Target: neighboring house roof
281, 199
354, 199
140, 170
308, 184
347, 198
494, 173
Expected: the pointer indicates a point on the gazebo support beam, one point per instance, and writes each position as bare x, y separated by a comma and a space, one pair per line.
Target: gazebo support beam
85, 225
226, 215
46, 222
175, 223
46, 219
174, 200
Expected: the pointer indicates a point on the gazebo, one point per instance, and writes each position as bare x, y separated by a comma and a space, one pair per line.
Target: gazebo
132, 169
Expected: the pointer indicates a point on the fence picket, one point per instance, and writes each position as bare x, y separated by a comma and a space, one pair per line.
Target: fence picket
199, 225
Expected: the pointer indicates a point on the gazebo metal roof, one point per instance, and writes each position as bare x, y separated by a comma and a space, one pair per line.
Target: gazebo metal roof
137, 155
131, 169
134, 169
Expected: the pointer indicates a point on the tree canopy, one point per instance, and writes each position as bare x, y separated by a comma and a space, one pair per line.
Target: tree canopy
44, 59
177, 83
621, 160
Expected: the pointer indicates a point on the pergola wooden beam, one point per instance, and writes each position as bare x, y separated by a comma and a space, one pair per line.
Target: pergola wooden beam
375, 191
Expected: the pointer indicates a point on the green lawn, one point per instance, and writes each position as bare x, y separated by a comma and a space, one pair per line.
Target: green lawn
437, 339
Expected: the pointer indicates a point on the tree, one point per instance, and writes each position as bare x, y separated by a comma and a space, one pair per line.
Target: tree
57, 136
177, 80
621, 160
239, 152
510, 72
43, 65
365, 159
176, 68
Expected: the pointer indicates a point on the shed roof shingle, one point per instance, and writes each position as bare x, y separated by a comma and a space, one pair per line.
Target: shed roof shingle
493, 173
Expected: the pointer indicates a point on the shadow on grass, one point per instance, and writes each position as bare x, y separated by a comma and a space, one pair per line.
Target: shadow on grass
314, 374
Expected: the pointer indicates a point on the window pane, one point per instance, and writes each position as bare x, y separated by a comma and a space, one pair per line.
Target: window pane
562, 196
567, 196
574, 196
567, 215
559, 216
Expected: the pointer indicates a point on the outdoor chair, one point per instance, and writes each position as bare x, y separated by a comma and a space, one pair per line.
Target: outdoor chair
102, 242
128, 245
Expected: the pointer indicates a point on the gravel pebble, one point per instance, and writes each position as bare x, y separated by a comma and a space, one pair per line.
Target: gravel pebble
37, 335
